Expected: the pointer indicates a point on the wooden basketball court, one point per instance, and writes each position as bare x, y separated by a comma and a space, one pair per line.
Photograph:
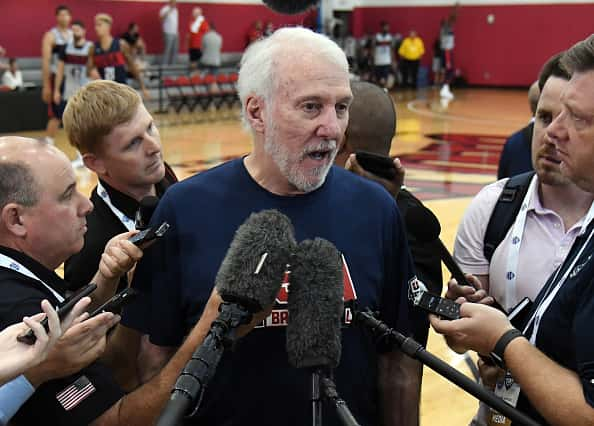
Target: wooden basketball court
449, 150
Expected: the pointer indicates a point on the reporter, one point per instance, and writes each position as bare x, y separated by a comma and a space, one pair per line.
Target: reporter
42, 222
552, 359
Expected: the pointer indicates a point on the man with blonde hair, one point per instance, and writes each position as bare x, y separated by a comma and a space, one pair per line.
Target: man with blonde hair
295, 94
117, 137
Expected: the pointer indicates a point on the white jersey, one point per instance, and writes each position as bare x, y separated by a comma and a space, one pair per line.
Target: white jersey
75, 67
446, 37
60, 40
383, 49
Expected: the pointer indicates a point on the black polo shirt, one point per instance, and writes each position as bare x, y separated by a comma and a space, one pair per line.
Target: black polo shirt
566, 332
102, 226
74, 400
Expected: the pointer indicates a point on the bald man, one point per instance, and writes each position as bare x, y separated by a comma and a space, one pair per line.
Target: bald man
516, 157
372, 125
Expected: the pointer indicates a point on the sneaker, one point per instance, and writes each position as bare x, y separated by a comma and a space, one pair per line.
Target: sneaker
445, 92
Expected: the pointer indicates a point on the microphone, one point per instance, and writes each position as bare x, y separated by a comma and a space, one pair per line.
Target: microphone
290, 7
314, 330
386, 337
248, 281
252, 270
424, 226
145, 211
315, 305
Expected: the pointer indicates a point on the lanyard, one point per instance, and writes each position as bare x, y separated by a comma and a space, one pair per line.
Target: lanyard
513, 257
10, 263
548, 299
126, 221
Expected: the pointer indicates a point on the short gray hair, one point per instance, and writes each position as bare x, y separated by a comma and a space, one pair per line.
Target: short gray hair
257, 72
17, 184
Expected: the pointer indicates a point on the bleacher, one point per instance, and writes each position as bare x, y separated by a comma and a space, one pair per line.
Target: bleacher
172, 89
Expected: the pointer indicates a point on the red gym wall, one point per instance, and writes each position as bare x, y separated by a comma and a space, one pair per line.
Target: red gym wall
507, 53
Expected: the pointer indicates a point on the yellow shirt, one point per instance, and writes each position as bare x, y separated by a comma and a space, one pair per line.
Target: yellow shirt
412, 48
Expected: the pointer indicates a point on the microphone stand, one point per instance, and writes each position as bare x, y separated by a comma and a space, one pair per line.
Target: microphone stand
316, 398
388, 338
188, 390
323, 389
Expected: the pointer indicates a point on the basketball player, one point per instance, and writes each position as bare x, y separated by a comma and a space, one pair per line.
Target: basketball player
74, 65
382, 56
53, 41
73, 70
112, 56
446, 38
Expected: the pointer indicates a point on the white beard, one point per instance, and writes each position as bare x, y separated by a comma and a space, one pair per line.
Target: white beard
289, 167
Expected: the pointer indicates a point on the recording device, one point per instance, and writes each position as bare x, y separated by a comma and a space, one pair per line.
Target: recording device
117, 302
248, 281
314, 330
424, 226
445, 308
290, 7
379, 165
149, 234
145, 211
62, 310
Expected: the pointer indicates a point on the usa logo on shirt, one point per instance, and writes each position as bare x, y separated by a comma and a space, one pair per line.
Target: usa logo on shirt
279, 317
76, 393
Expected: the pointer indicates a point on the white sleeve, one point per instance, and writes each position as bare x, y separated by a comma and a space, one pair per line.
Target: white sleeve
468, 247
163, 11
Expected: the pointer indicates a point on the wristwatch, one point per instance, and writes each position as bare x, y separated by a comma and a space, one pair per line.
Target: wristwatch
499, 349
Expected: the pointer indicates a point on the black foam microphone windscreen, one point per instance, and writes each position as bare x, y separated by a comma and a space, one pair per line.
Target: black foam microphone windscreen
422, 224
145, 211
290, 7
315, 305
252, 270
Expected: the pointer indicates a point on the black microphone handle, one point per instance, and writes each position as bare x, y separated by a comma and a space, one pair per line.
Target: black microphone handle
188, 390
342, 410
415, 350
451, 264
189, 387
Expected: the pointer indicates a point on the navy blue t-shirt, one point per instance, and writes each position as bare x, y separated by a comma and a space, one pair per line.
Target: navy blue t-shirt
254, 384
566, 332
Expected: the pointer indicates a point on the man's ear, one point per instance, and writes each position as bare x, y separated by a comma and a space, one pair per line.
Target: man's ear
94, 163
12, 219
254, 113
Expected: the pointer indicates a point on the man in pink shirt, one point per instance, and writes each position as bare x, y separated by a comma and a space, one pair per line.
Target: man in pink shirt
555, 210
542, 235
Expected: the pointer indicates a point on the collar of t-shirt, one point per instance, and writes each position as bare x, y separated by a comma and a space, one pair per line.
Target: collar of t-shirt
536, 206
48, 276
